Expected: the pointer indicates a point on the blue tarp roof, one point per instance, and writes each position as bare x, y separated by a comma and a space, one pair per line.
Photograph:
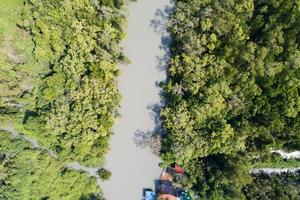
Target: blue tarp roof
149, 195
166, 187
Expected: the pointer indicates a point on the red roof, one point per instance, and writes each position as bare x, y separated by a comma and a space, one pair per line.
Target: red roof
178, 169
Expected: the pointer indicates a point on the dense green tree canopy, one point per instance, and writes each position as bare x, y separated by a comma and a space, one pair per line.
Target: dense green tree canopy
58, 86
29, 174
284, 186
76, 100
232, 92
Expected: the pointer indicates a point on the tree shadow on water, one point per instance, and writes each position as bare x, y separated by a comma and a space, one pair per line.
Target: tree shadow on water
154, 113
160, 24
148, 139
151, 139
142, 138
161, 19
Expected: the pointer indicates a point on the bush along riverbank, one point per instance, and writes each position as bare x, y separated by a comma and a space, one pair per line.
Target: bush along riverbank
58, 86
232, 92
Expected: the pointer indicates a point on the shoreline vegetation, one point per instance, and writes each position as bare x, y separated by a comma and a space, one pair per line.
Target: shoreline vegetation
77, 98
58, 86
232, 95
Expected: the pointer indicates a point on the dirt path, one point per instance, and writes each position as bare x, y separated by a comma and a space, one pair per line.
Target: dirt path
287, 155
132, 164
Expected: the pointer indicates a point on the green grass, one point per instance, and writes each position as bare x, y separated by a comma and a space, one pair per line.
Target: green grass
291, 163
8, 8
10, 11
18, 69
277, 162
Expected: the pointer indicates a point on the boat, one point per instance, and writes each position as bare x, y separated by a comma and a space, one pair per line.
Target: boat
149, 195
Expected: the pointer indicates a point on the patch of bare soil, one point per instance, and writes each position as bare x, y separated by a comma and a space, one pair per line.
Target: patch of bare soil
8, 51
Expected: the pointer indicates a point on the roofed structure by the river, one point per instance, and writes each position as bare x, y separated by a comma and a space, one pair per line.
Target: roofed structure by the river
166, 188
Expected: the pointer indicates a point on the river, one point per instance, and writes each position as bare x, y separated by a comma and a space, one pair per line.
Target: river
134, 167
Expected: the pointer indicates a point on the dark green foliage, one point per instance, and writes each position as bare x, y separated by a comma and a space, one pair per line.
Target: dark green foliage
91, 196
104, 174
232, 91
284, 186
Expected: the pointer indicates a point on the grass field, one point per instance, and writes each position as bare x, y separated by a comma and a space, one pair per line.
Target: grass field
18, 69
